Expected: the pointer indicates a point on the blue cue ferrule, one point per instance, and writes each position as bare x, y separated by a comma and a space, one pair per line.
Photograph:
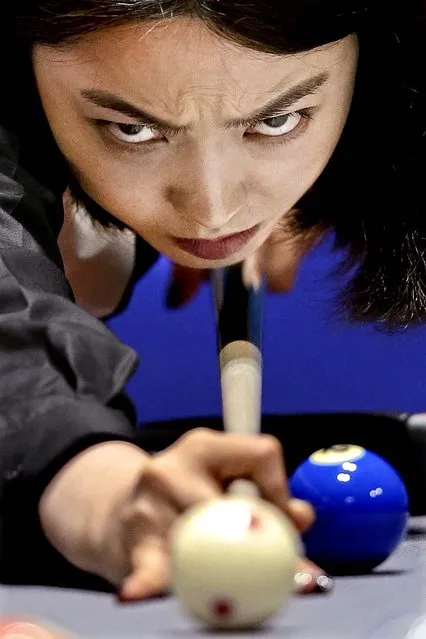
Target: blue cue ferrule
239, 308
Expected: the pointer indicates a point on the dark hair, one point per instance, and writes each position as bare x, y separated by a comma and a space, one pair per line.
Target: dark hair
370, 194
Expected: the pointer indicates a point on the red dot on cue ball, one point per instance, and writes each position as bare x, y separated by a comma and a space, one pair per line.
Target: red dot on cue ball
222, 608
255, 522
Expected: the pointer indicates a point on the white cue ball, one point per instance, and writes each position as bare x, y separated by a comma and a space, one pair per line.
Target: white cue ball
233, 561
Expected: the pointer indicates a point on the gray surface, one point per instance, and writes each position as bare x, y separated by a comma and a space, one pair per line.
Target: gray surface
383, 605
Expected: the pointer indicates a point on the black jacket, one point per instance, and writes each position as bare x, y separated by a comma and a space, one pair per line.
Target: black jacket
62, 372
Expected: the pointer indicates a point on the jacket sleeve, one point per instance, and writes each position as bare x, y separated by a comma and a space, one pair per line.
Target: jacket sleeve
62, 372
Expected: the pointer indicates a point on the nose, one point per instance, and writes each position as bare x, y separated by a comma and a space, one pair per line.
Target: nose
208, 188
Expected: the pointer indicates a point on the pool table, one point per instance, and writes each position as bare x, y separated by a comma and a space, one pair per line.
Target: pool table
382, 605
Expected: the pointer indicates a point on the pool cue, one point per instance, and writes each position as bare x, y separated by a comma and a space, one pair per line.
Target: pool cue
239, 322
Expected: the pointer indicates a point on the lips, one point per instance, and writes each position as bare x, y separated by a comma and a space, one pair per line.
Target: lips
218, 249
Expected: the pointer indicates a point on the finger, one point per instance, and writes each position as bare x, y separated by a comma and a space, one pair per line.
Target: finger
150, 574
252, 271
151, 508
175, 485
227, 456
184, 285
310, 579
191, 490
302, 514
282, 254
187, 488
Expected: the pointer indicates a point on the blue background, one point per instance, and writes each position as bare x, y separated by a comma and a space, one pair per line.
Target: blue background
313, 362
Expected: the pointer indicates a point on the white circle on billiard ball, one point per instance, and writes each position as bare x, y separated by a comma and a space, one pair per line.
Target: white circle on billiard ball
337, 455
234, 561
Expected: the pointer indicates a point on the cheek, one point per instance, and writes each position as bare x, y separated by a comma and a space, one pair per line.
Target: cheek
136, 192
305, 164
292, 172
134, 187
131, 190
292, 167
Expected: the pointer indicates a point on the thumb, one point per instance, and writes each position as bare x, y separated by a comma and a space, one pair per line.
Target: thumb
150, 574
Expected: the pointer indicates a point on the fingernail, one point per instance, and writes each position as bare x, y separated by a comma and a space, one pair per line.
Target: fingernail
173, 297
313, 582
324, 584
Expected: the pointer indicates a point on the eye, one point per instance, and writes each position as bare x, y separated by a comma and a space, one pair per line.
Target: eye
277, 125
133, 133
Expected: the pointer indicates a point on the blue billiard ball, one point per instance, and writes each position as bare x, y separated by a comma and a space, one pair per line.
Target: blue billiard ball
361, 504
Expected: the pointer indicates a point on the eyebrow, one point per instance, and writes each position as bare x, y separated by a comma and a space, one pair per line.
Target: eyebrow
112, 102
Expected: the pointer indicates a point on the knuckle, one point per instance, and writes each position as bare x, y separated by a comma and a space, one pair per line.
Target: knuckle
141, 507
269, 447
154, 478
135, 514
134, 517
278, 487
151, 482
199, 437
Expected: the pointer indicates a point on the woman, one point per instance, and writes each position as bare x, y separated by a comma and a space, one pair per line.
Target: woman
201, 129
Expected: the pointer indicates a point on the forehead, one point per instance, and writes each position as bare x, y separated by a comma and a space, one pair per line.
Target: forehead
172, 61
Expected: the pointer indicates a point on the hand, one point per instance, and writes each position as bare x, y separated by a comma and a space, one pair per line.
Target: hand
278, 260
110, 510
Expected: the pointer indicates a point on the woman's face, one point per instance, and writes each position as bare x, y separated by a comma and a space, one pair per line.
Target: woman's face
197, 144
